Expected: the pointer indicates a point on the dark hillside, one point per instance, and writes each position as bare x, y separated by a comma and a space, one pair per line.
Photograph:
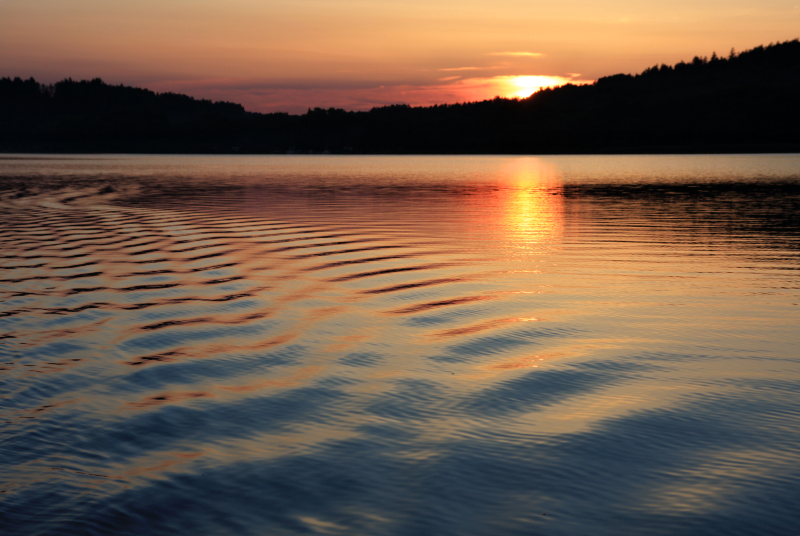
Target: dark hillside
740, 103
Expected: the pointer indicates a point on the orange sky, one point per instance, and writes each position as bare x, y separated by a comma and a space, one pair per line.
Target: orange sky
288, 55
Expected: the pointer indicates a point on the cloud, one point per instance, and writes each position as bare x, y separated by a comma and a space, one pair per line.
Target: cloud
298, 96
517, 54
461, 69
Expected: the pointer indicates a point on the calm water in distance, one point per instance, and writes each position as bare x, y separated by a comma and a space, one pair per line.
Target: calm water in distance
400, 345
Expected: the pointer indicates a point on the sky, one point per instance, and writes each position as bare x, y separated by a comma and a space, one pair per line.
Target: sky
290, 55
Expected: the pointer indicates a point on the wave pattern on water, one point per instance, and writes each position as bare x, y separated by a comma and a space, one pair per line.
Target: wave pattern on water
524, 356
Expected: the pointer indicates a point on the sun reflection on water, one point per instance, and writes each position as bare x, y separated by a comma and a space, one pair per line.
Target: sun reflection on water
532, 203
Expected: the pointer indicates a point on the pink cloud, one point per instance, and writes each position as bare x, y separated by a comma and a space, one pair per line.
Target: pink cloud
270, 97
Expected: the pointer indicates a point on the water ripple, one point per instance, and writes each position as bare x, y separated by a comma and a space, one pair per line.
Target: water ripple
399, 346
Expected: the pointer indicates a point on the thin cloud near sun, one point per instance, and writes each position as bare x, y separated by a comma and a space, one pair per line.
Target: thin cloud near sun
517, 54
463, 85
464, 68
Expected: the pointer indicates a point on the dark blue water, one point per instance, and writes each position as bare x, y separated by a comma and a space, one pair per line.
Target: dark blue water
400, 345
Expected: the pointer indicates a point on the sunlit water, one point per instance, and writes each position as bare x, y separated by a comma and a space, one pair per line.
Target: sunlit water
400, 345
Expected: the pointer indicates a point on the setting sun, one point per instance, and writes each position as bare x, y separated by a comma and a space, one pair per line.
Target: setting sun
525, 86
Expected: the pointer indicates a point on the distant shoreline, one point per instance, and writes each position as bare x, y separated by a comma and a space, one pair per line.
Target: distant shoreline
745, 103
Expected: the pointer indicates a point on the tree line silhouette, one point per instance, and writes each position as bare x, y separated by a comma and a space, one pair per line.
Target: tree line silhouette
745, 102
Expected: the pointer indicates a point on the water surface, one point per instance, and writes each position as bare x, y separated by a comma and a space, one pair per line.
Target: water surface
400, 345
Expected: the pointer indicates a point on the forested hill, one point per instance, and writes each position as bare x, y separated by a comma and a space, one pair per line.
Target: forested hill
744, 102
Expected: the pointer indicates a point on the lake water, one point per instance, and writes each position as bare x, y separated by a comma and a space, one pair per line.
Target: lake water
400, 345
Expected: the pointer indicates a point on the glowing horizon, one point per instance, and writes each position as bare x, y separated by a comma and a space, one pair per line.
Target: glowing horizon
357, 54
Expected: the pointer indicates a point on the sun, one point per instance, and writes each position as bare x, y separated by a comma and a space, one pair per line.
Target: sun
524, 86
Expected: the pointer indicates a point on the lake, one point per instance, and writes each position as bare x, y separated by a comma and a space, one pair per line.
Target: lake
400, 345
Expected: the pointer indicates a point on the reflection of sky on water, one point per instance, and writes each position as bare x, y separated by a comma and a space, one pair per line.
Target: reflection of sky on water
400, 346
